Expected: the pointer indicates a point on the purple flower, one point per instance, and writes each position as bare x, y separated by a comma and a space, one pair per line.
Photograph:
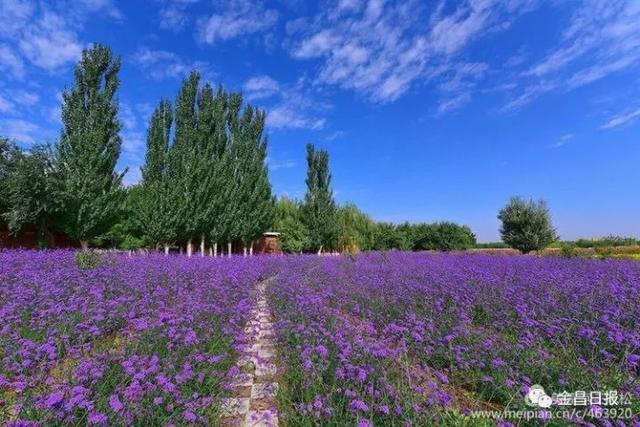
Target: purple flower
115, 404
54, 399
190, 416
358, 405
97, 418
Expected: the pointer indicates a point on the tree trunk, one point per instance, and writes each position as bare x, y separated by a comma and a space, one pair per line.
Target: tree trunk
251, 249
180, 248
202, 245
229, 248
215, 250
244, 250
320, 250
166, 250
210, 250
84, 245
189, 248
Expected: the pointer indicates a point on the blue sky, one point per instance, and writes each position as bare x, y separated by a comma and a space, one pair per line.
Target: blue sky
430, 110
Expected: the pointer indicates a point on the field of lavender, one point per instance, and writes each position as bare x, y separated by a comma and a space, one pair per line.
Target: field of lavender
135, 341
380, 339
425, 339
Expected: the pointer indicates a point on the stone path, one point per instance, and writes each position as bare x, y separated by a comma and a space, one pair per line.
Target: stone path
254, 390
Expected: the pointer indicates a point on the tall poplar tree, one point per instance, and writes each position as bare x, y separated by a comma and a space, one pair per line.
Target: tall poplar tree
154, 209
319, 209
89, 188
184, 161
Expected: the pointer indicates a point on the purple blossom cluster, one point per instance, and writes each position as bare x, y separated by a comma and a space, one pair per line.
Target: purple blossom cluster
143, 340
425, 339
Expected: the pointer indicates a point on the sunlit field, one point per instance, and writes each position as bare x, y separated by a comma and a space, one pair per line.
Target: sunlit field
376, 339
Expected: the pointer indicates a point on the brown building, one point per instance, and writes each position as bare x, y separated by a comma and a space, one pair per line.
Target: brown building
268, 244
28, 239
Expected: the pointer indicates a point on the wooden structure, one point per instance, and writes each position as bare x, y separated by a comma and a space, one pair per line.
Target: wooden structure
28, 239
268, 243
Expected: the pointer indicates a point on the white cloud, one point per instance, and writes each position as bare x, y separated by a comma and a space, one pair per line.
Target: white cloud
107, 6
161, 64
260, 87
287, 117
334, 135
19, 130
49, 42
601, 38
622, 119
174, 14
14, 15
24, 98
297, 107
10, 62
237, 18
274, 165
5, 105
563, 140
382, 49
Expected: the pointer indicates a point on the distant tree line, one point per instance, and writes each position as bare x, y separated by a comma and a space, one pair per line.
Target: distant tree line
318, 224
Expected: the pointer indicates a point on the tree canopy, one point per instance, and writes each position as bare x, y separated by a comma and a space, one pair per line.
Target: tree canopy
526, 225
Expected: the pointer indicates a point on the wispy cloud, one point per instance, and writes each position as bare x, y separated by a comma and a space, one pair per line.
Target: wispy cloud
174, 14
19, 130
10, 62
563, 140
288, 117
236, 18
381, 49
49, 43
260, 87
45, 33
622, 119
601, 38
162, 64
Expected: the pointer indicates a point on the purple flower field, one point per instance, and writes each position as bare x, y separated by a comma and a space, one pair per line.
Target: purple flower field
423, 339
135, 341
377, 339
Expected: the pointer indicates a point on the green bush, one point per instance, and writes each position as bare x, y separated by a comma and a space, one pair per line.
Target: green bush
87, 260
603, 251
568, 251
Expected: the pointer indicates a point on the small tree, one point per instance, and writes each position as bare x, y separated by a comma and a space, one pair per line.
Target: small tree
357, 229
526, 225
89, 188
29, 192
288, 222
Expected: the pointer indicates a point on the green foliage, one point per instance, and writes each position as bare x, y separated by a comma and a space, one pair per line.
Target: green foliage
8, 153
356, 230
386, 236
603, 252
89, 189
613, 241
29, 186
87, 260
319, 208
151, 205
492, 245
526, 225
288, 222
568, 251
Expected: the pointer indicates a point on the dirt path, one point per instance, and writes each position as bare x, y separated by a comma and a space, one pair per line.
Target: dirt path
254, 390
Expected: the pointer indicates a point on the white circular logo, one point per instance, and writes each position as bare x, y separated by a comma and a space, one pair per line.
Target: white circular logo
536, 396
